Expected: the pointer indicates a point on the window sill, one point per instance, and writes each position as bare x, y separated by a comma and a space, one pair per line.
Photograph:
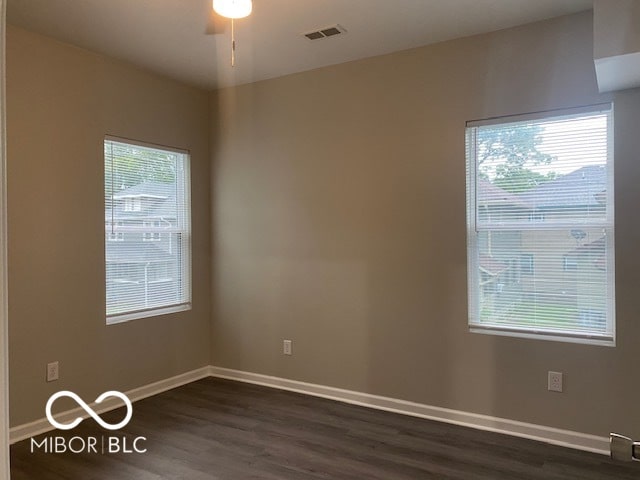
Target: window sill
154, 312
604, 340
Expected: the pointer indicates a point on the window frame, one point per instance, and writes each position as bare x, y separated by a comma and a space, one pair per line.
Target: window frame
184, 227
474, 321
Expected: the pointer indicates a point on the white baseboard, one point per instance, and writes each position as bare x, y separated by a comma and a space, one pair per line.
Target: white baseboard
555, 436
27, 430
541, 433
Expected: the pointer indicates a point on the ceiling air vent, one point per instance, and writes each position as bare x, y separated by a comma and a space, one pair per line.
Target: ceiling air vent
325, 32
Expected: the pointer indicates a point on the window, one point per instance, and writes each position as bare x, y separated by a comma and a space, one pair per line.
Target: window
570, 263
536, 217
151, 231
132, 204
526, 263
540, 200
147, 230
115, 233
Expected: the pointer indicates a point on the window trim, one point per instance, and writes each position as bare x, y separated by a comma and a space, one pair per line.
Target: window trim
542, 115
475, 326
184, 225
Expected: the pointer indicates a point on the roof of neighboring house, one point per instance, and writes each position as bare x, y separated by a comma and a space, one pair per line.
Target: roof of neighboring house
490, 194
162, 198
597, 247
164, 209
581, 188
492, 266
134, 252
147, 189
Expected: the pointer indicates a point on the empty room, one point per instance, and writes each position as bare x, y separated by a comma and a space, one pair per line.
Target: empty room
320, 239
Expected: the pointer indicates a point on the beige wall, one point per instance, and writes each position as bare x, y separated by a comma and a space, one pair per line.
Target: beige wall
339, 222
61, 103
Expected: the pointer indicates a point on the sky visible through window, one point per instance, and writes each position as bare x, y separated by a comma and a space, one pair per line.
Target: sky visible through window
567, 157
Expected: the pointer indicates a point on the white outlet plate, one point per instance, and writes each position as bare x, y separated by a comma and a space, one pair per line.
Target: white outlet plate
287, 347
554, 383
52, 371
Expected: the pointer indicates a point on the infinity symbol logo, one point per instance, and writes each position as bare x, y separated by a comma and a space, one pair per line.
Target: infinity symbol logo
89, 410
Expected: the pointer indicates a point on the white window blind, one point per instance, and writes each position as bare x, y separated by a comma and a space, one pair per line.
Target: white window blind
540, 225
147, 230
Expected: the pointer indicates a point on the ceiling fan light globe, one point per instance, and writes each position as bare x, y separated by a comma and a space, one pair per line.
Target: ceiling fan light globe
233, 8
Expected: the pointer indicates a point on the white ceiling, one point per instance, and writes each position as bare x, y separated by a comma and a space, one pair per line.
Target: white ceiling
176, 37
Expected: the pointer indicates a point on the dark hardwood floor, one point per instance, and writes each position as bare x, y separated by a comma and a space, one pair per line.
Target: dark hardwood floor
218, 429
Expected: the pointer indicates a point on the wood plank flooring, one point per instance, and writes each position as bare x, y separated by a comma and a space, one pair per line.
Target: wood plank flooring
219, 429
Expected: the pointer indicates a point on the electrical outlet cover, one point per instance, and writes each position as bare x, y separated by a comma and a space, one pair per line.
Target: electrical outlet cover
52, 371
554, 383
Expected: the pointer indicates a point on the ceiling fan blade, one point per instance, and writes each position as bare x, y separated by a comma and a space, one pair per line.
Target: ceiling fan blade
216, 24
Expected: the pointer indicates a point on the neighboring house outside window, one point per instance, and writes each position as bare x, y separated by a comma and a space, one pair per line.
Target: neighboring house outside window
540, 226
147, 220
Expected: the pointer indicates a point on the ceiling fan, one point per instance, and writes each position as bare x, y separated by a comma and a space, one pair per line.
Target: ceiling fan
224, 10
